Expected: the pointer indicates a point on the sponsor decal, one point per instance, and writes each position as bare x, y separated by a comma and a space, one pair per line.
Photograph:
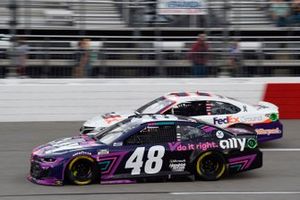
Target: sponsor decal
177, 165
111, 117
252, 143
226, 120
177, 146
58, 182
261, 107
238, 143
251, 118
233, 143
245, 108
82, 153
273, 117
117, 144
219, 134
164, 123
103, 152
262, 131
233, 120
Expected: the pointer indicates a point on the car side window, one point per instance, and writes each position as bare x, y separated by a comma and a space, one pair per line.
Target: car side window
189, 132
221, 108
193, 108
152, 135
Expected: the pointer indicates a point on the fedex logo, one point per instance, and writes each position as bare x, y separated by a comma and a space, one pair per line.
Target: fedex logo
226, 120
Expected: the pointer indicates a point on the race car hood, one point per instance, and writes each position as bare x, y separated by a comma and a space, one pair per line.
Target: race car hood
64, 145
105, 120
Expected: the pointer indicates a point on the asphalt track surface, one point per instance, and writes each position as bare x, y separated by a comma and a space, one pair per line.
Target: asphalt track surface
279, 178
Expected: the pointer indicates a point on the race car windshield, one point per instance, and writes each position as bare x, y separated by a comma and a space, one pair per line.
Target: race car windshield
110, 134
155, 106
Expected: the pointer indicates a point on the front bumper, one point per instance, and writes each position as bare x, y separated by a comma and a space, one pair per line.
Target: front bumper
46, 173
45, 181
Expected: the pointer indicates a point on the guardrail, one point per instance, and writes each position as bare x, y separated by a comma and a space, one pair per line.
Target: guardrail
142, 56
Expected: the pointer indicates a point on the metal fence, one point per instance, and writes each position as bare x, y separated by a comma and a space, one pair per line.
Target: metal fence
109, 56
102, 14
226, 23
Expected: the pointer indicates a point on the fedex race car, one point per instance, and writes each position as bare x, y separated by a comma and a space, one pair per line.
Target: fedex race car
215, 109
146, 146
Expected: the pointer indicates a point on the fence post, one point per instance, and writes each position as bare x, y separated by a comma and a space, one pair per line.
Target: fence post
13, 23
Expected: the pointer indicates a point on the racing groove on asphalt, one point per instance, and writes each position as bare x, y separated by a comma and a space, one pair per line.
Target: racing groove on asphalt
278, 179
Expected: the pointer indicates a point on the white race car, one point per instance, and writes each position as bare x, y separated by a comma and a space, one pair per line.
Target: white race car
212, 108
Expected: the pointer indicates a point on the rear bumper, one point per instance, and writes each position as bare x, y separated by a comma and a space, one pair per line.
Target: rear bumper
268, 131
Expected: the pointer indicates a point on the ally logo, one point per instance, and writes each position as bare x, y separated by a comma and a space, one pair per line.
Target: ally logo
238, 143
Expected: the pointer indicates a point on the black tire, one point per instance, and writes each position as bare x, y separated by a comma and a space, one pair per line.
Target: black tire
210, 166
82, 170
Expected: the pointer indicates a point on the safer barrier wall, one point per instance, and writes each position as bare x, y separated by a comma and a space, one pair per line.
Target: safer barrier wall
79, 99
286, 96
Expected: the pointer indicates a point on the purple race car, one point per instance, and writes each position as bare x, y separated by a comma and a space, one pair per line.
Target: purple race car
146, 146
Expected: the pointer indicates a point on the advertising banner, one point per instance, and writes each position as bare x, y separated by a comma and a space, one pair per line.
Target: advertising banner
181, 7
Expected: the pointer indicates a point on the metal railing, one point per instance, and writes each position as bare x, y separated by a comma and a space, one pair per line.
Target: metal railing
140, 55
115, 14
115, 56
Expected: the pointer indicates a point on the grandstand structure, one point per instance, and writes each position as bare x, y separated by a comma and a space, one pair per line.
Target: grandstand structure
130, 39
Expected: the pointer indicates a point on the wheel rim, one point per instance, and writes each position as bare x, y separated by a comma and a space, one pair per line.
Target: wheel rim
210, 165
81, 171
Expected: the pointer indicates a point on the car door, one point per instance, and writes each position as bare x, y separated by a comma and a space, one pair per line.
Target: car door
221, 113
149, 150
195, 138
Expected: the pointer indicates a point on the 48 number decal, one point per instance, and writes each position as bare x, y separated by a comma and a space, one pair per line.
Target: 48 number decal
153, 163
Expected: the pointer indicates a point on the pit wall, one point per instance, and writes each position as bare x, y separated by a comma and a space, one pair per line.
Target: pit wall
80, 99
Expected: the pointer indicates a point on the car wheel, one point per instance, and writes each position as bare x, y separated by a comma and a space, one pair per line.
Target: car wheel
210, 166
81, 170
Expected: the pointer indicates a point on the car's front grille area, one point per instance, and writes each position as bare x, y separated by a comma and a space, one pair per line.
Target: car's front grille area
37, 171
35, 158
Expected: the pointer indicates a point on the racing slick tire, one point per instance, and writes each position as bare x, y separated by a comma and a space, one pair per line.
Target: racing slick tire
210, 166
82, 170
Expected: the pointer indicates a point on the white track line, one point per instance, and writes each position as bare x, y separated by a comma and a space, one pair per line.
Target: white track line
280, 149
236, 193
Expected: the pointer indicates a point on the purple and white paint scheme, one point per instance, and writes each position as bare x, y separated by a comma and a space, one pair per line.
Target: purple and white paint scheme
145, 146
215, 109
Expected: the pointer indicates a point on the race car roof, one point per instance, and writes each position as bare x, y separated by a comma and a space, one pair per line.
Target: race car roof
186, 96
157, 117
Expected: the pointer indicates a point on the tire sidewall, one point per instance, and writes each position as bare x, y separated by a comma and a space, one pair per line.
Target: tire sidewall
71, 177
200, 175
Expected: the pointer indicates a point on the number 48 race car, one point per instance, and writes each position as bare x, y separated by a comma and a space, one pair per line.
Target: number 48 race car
146, 146
215, 109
